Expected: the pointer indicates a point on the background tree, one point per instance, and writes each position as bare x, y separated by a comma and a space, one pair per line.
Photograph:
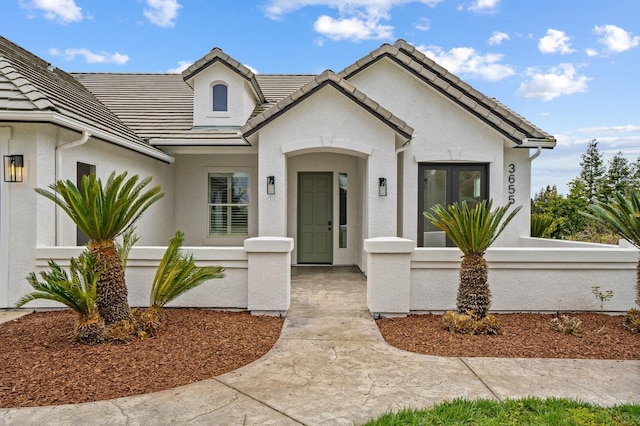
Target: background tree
592, 172
103, 213
618, 178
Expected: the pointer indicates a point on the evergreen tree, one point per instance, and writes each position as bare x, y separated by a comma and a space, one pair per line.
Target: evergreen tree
618, 177
592, 173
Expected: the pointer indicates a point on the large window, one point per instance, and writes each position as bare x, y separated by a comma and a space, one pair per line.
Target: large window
228, 204
446, 184
219, 97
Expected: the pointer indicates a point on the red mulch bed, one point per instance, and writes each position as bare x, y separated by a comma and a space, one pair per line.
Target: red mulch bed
40, 364
525, 336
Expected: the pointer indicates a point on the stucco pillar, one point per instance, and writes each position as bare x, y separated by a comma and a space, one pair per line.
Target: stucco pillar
389, 275
382, 210
269, 276
272, 214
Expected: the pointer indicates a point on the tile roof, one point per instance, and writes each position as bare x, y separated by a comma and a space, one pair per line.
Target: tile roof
28, 83
160, 106
489, 110
216, 55
143, 107
327, 78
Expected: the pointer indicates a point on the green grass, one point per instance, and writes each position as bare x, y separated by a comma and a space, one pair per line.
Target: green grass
527, 411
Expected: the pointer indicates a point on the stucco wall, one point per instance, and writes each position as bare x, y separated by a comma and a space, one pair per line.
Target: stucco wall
445, 133
29, 220
240, 101
328, 122
529, 279
191, 195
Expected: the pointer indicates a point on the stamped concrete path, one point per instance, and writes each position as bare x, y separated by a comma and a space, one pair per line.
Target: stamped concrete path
331, 367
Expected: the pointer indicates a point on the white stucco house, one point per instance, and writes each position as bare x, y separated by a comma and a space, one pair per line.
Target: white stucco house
262, 172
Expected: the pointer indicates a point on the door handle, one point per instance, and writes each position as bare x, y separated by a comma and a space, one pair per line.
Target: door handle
329, 224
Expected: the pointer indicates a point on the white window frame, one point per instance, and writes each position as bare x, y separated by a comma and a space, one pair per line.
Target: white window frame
248, 171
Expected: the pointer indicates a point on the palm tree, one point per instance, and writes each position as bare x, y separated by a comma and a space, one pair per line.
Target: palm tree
104, 213
176, 274
473, 231
77, 291
621, 215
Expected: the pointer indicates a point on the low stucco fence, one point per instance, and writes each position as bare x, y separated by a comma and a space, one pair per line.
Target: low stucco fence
257, 275
539, 276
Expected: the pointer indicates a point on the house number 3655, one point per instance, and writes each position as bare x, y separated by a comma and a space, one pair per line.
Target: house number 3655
512, 183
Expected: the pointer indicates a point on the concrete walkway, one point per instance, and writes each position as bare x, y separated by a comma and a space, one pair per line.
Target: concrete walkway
331, 367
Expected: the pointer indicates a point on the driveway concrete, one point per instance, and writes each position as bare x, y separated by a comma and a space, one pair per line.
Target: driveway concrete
331, 367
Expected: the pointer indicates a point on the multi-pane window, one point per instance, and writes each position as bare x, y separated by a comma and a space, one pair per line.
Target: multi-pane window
219, 97
446, 184
228, 204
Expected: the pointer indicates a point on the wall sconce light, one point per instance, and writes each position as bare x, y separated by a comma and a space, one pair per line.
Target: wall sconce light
13, 167
271, 185
382, 187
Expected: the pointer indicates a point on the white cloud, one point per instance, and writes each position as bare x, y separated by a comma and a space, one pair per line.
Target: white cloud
252, 69
615, 39
182, 65
497, 38
466, 61
352, 29
90, 57
610, 129
276, 9
558, 81
484, 5
357, 19
62, 11
591, 52
423, 24
162, 13
555, 41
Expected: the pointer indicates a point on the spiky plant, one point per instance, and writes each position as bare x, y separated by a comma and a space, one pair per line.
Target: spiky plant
129, 239
77, 291
103, 213
472, 231
176, 274
621, 215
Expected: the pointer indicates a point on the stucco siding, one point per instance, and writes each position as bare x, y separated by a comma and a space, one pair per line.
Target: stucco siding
330, 122
35, 216
444, 133
191, 195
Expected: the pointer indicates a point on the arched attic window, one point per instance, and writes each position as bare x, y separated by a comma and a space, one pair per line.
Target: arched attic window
219, 98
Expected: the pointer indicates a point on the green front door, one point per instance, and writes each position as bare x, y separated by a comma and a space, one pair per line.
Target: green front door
315, 218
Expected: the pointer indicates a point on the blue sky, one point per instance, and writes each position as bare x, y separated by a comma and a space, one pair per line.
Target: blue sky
572, 67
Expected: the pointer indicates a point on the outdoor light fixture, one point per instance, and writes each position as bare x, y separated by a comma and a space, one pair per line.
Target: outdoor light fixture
13, 167
271, 185
382, 187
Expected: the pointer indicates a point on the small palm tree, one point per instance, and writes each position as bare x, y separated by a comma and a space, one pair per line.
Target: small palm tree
472, 231
621, 215
176, 274
103, 213
77, 291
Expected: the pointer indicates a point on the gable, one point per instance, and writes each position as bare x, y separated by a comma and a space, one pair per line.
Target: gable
488, 110
328, 78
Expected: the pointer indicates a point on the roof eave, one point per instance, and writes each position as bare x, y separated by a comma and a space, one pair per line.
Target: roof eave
61, 120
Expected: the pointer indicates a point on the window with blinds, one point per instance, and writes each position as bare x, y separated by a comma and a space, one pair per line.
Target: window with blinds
228, 204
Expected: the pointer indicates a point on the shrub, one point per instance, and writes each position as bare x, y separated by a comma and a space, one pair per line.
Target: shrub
76, 290
632, 320
566, 324
471, 324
